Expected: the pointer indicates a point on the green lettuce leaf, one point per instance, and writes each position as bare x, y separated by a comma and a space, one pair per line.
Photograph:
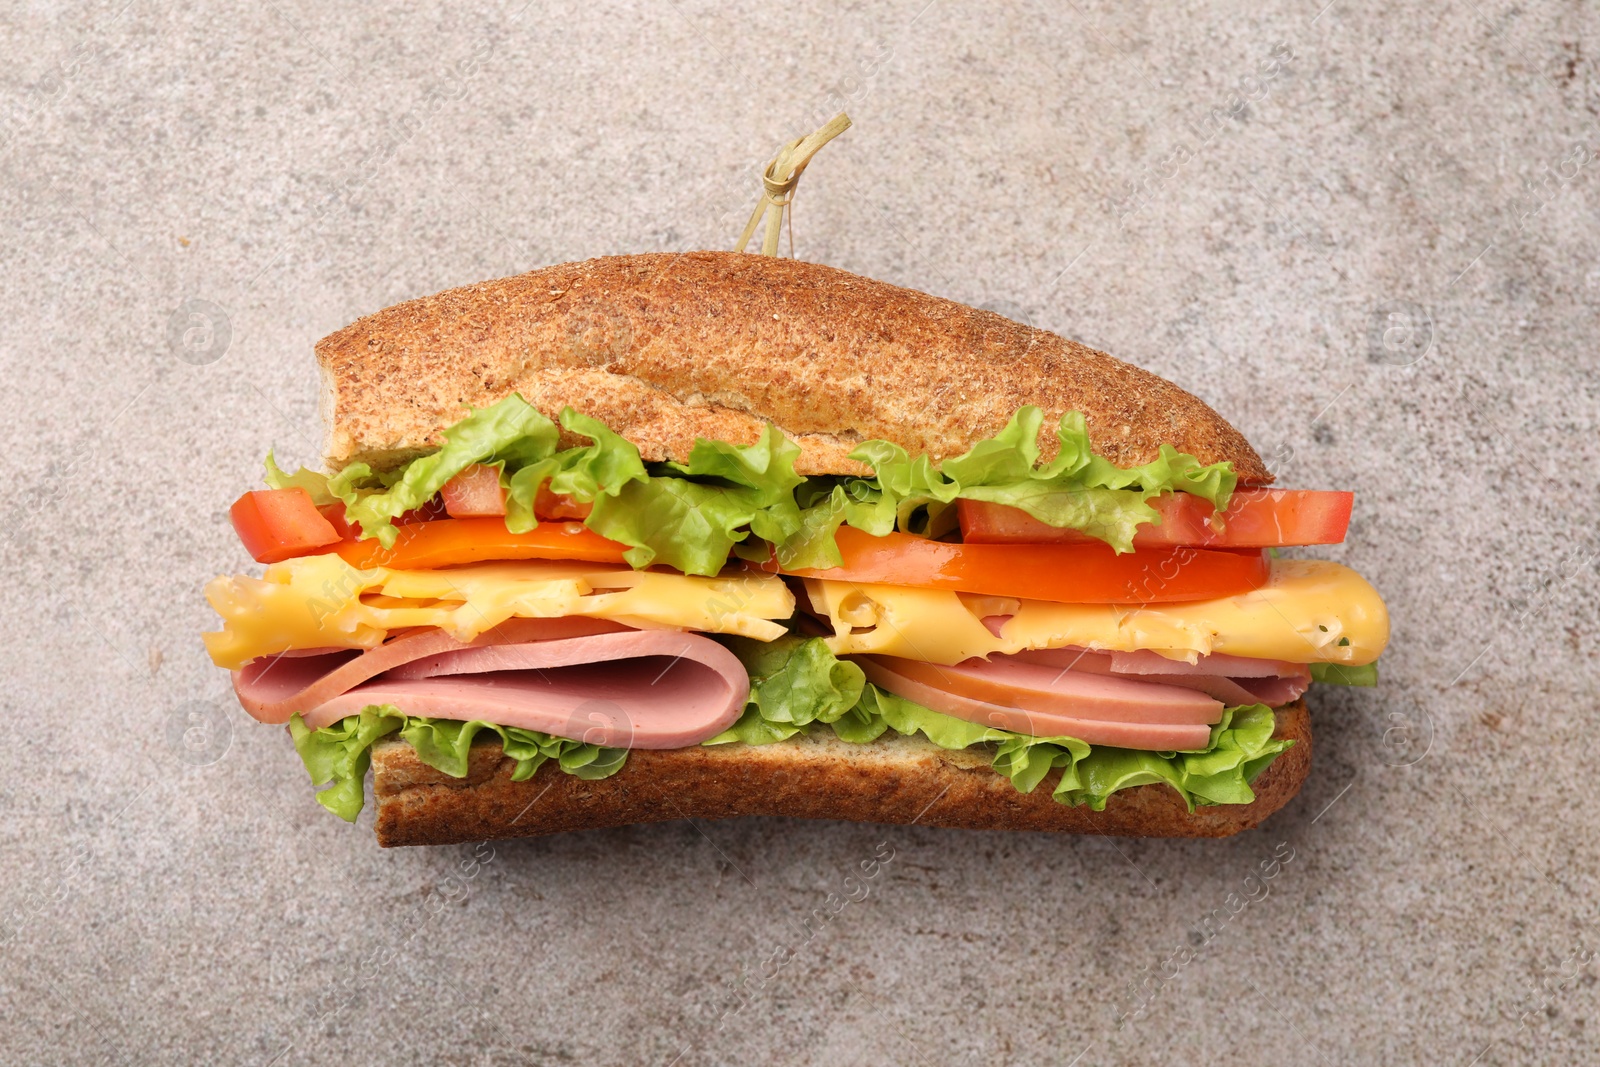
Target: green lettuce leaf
826, 503
1241, 747
745, 498
794, 682
690, 515
341, 752
1339, 674
587, 473
509, 432
797, 683
313, 482
1077, 489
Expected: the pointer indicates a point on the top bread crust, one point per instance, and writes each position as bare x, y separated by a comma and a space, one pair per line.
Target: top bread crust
665, 348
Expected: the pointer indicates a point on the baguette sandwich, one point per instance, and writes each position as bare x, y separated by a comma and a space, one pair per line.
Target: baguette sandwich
664, 536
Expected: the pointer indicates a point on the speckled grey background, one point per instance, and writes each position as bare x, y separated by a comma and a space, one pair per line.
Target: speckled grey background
1367, 233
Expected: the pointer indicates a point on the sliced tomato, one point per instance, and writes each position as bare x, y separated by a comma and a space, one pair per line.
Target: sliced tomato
432, 509
1255, 518
447, 542
1069, 574
475, 491
335, 514
276, 524
548, 505
342, 526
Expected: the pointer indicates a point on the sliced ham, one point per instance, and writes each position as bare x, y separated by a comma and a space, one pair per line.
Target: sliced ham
1081, 695
1218, 663
1141, 700
275, 687
582, 678
1276, 692
1234, 680
1047, 701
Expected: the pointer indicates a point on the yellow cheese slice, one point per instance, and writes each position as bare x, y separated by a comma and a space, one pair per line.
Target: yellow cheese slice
323, 602
1309, 611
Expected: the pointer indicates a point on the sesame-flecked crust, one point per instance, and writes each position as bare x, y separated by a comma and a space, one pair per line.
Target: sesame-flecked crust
813, 776
665, 348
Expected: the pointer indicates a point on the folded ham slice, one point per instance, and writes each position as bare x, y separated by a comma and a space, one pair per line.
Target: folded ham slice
1234, 680
1047, 701
1141, 700
573, 677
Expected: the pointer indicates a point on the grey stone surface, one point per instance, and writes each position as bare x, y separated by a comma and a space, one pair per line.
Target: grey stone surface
1378, 253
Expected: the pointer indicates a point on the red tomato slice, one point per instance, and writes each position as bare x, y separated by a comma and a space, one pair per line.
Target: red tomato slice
1068, 574
433, 509
475, 491
334, 513
276, 524
447, 542
1255, 518
548, 505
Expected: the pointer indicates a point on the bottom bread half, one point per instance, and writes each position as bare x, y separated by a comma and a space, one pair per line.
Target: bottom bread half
813, 776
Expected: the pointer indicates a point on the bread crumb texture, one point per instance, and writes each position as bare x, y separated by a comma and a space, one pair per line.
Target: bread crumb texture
813, 776
665, 348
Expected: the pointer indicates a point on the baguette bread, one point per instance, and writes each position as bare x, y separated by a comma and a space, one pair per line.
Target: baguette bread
669, 348
894, 779
666, 348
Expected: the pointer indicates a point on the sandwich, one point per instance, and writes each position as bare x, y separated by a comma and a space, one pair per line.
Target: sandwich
660, 536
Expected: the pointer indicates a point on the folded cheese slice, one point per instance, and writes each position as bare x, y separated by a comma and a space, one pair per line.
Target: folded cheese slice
323, 602
1310, 611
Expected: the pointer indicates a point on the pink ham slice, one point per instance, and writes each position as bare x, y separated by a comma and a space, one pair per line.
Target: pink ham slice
1234, 680
586, 679
273, 688
1046, 701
